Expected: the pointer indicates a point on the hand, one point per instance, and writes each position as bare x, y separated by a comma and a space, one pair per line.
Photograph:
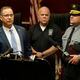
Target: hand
39, 55
74, 59
8, 55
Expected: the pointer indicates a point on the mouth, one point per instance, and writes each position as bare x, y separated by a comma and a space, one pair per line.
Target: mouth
10, 21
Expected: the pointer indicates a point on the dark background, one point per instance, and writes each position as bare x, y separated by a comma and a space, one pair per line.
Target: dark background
23, 6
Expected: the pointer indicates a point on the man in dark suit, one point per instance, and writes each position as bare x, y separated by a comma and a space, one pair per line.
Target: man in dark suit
22, 42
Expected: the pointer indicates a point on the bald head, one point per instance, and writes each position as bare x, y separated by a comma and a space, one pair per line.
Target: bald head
44, 8
44, 15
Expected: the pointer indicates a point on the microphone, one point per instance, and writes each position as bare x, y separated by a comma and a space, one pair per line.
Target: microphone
10, 50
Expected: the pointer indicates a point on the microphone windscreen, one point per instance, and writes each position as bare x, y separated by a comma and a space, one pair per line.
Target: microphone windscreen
11, 50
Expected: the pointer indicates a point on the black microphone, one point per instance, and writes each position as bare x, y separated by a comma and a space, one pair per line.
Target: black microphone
10, 50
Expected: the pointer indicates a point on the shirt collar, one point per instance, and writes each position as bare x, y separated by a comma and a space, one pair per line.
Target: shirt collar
7, 29
42, 27
77, 27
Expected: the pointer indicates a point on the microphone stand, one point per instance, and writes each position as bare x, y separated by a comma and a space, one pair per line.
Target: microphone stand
4, 55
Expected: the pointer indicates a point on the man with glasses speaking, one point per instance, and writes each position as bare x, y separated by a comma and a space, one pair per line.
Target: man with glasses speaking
12, 36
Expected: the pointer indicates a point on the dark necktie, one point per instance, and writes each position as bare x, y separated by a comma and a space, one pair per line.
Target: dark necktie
69, 39
13, 41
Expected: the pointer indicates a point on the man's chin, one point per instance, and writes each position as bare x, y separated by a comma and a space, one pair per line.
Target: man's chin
44, 24
9, 25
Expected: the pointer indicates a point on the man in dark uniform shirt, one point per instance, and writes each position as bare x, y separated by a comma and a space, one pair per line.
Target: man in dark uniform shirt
44, 37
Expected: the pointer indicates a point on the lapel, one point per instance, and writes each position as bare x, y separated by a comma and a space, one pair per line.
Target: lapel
4, 38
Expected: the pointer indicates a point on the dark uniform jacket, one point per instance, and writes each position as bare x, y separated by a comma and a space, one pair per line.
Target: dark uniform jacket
42, 40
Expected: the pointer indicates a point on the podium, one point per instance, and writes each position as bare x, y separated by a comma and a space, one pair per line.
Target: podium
25, 70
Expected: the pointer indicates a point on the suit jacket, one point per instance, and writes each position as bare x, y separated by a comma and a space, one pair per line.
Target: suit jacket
5, 45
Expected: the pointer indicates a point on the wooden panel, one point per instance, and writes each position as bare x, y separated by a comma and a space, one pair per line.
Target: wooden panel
22, 6
59, 6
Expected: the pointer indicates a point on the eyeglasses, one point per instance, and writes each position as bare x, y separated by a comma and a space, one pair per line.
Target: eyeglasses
7, 15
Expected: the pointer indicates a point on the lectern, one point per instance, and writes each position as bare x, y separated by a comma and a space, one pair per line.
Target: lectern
25, 70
